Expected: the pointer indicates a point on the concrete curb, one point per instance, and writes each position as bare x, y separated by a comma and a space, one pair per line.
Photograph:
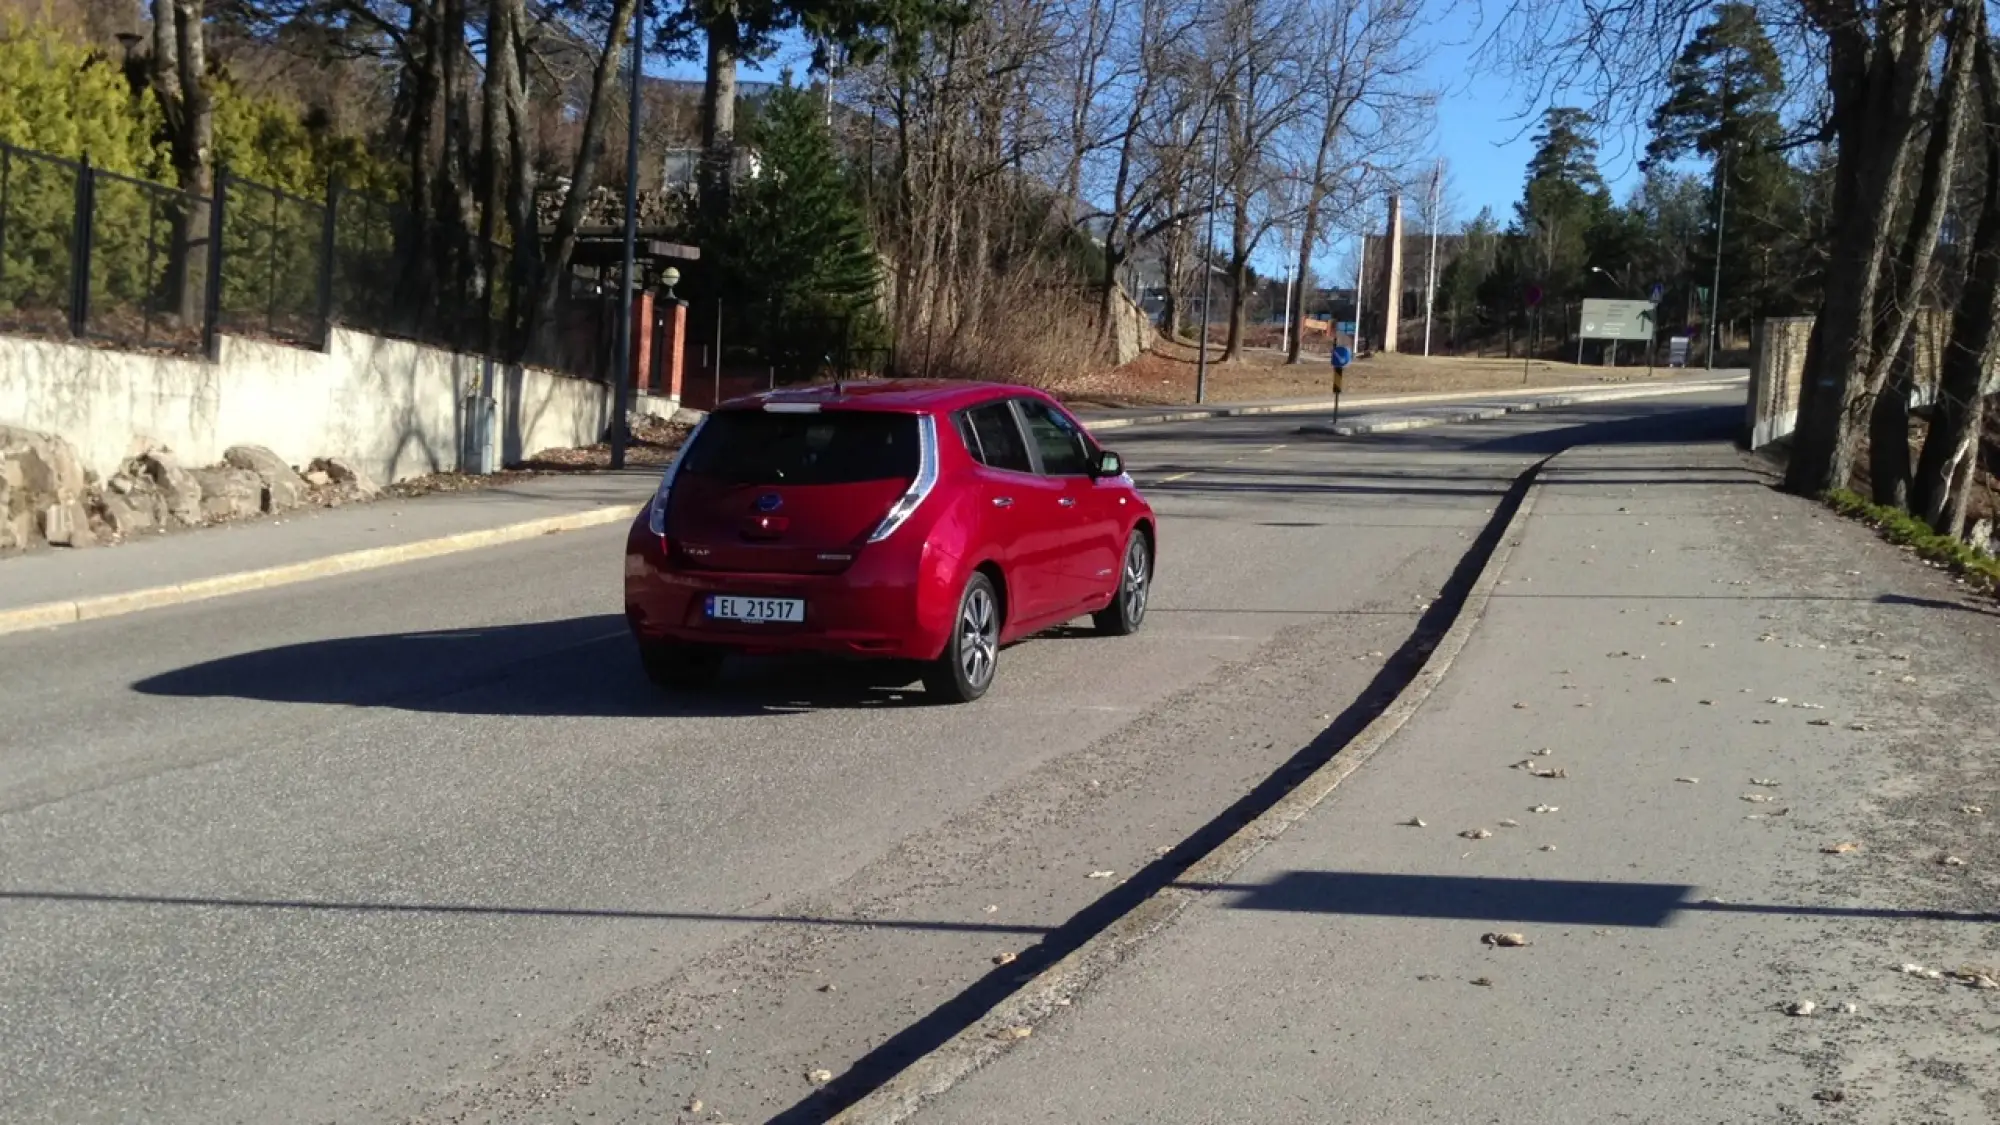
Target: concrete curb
1499, 410
1049, 991
1198, 414
49, 614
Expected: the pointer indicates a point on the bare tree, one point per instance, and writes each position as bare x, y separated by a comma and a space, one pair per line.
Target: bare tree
181, 84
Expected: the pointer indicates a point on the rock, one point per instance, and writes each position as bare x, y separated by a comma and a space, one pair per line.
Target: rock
318, 478
177, 487
130, 514
228, 494
39, 472
346, 475
283, 486
1980, 537
67, 525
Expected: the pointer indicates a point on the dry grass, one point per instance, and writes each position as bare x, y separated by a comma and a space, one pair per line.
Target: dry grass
1167, 377
1037, 337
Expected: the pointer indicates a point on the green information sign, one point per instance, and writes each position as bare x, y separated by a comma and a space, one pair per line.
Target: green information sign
1617, 320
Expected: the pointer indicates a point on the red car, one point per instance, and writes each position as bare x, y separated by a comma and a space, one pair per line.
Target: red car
918, 521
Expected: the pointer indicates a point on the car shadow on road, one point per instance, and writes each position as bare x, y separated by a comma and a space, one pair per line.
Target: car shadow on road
582, 667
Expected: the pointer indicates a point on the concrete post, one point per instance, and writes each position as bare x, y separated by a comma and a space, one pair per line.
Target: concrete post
641, 373
1392, 278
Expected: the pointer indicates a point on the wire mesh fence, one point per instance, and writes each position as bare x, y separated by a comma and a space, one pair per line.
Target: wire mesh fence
146, 263
274, 264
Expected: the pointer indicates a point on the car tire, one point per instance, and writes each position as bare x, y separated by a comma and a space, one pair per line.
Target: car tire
680, 667
1127, 610
971, 656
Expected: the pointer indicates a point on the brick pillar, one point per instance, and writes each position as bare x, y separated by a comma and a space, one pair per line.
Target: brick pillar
642, 341
674, 361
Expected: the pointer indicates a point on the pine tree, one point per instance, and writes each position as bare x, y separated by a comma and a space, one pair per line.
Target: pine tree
1723, 106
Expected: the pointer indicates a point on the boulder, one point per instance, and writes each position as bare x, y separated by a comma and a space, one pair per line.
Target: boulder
67, 525
1980, 537
318, 478
228, 494
344, 474
40, 475
177, 487
130, 513
283, 486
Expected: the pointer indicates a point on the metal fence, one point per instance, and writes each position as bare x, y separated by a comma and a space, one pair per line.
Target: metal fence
92, 255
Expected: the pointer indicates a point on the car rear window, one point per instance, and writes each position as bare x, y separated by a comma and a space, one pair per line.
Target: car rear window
835, 447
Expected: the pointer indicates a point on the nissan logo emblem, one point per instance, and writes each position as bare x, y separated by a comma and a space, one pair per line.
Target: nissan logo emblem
770, 502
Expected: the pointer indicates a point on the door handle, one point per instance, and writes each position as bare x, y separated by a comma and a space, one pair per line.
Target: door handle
1067, 501
1003, 501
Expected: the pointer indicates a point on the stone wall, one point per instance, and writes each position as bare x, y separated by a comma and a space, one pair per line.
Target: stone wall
391, 408
1777, 371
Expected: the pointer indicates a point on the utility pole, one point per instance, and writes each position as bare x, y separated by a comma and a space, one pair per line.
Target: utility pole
621, 379
1431, 283
1715, 285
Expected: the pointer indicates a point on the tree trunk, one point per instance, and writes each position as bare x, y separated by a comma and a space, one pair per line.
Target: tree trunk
1951, 447
718, 111
521, 214
583, 173
1889, 432
1877, 92
181, 84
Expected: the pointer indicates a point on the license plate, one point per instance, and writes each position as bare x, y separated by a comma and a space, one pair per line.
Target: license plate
756, 611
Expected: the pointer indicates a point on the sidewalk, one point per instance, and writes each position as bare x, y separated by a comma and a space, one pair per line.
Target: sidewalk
1363, 402
1733, 684
390, 530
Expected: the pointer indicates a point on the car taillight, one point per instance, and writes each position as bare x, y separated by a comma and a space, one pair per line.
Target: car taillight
656, 515
926, 479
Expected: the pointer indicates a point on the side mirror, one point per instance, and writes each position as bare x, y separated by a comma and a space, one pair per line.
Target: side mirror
1108, 465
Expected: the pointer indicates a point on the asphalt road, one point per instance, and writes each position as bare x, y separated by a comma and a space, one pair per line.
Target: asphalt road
421, 844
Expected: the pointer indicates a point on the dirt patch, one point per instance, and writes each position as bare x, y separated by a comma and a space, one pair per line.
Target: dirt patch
1166, 376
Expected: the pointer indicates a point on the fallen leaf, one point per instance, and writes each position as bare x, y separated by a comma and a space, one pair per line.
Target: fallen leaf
1849, 1008
1841, 848
1831, 1097
1548, 847
1664, 680
1801, 1008
1504, 941
991, 908
1810, 706
1858, 726
1757, 798
1915, 970
1907, 680
1671, 621
1510, 824
1777, 699
1476, 834
1543, 752
1013, 1033
1972, 810
1005, 958
1819, 722
1951, 861
819, 1077
1708, 702
1616, 655
1765, 782
1550, 773
1710, 644
1689, 780
1545, 809
1100, 875
1520, 707
694, 1105
1483, 982
1414, 822
1760, 722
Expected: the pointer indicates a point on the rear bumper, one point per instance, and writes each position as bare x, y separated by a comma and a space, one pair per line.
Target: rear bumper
883, 606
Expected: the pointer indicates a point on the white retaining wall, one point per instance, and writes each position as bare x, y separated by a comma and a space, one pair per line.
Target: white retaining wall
390, 407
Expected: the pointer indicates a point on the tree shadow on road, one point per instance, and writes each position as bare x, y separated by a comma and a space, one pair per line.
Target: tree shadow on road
579, 667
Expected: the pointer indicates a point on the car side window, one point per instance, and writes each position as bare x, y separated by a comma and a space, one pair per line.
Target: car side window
1064, 451
998, 443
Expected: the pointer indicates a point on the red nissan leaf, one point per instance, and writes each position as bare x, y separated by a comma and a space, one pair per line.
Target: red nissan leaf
917, 521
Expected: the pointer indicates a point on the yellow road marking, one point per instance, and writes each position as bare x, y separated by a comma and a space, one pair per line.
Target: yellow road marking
1175, 477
